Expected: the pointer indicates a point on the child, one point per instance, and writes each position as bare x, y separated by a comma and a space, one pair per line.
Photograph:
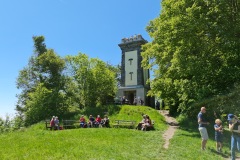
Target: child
218, 134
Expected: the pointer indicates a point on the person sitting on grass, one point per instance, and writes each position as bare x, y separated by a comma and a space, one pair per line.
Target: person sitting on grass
82, 121
91, 121
147, 123
218, 134
139, 126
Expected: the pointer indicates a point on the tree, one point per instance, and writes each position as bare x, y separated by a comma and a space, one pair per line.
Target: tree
42, 85
194, 52
105, 81
93, 81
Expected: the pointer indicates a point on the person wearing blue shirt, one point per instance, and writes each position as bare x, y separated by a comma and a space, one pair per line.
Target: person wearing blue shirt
202, 122
234, 127
91, 121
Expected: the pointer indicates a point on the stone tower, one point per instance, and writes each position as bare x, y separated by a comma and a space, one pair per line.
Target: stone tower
133, 76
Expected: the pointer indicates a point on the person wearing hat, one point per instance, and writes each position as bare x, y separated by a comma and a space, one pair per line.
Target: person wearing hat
202, 122
234, 127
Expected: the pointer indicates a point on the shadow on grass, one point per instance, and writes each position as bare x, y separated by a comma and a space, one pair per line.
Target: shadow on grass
220, 153
191, 135
191, 126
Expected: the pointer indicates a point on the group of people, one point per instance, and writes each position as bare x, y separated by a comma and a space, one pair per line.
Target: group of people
136, 101
54, 123
145, 123
234, 127
94, 122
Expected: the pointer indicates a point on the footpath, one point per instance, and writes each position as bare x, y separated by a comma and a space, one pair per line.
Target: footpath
173, 125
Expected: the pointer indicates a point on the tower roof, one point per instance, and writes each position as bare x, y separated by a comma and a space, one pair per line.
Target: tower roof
132, 42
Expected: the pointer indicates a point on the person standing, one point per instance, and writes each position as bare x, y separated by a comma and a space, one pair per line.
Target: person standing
123, 100
141, 101
157, 105
135, 101
163, 105
218, 134
202, 122
234, 127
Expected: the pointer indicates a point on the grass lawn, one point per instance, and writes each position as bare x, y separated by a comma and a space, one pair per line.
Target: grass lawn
90, 143
187, 145
109, 143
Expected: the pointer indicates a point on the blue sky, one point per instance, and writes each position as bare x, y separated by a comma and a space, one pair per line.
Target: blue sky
93, 27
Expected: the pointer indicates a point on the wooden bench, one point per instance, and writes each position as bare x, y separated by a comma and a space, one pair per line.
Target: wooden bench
69, 124
124, 123
47, 123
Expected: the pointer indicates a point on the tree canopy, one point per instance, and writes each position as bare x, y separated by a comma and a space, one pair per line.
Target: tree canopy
51, 85
194, 52
94, 80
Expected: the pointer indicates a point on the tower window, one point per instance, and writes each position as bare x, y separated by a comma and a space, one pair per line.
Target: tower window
130, 61
131, 73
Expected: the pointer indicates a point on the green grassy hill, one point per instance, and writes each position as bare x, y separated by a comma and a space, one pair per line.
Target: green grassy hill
105, 143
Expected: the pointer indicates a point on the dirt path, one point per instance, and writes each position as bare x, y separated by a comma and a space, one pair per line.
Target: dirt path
173, 125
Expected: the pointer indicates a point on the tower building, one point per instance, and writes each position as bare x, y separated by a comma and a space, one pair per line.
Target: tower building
133, 76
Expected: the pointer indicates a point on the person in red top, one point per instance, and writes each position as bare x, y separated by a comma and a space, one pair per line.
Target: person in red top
82, 121
98, 121
52, 124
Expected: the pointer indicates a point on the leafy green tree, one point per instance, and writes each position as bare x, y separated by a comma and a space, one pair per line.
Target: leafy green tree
42, 85
93, 81
51, 85
104, 80
194, 52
